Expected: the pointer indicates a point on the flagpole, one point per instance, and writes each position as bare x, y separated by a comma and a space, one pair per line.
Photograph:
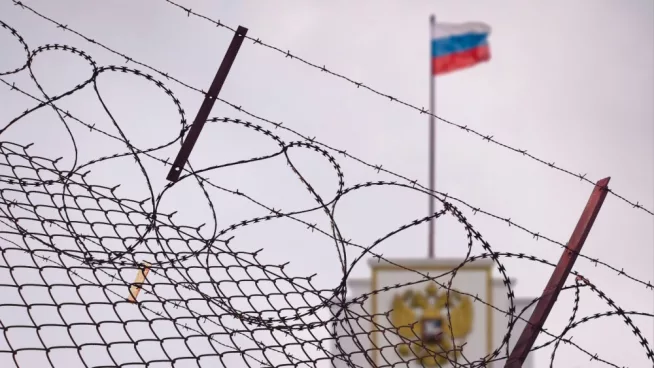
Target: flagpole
432, 140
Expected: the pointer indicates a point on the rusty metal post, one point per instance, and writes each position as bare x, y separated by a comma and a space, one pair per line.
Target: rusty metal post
560, 274
209, 99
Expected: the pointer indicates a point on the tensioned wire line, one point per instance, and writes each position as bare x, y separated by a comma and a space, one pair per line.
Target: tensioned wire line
421, 110
379, 168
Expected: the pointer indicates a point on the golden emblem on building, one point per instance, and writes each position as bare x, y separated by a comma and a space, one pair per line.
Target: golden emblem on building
421, 319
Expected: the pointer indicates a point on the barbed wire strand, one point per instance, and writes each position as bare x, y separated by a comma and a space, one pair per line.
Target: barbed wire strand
421, 110
378, 168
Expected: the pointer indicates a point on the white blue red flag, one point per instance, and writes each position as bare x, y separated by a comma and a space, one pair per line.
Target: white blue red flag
458, 46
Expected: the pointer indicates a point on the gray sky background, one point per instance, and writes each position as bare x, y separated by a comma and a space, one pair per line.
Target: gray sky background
571, 82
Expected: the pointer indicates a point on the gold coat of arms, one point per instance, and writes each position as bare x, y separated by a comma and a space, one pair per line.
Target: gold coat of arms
421, 321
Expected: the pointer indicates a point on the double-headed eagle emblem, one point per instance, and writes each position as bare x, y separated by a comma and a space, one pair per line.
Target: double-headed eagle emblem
421, 320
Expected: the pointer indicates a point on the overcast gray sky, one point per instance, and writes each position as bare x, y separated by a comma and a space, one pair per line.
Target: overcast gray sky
571, 82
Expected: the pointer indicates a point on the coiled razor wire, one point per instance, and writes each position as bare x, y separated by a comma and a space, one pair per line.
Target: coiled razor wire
205, 303
379, 168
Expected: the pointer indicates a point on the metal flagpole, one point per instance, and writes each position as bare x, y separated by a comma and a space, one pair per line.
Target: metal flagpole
432, 138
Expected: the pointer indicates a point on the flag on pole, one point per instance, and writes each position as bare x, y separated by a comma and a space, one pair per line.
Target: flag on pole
459, 46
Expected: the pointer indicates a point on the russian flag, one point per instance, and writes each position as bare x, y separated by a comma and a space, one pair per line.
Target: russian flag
458, 46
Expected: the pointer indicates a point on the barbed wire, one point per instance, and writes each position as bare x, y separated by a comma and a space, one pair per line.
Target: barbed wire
379, 168
421, 110
51, 212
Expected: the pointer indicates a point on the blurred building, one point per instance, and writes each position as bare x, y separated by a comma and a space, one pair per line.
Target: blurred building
477, 329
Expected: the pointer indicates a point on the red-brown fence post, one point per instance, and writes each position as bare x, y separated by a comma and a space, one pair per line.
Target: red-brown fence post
560, 274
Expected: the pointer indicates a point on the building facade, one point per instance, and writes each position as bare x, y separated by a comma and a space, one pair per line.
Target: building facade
371, 330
